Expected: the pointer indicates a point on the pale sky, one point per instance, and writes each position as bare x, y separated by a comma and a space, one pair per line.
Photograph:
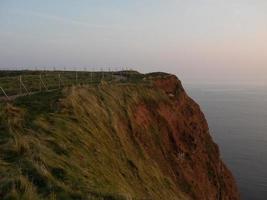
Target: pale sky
195, 39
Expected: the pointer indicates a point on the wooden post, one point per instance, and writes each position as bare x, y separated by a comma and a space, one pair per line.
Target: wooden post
4, 93
76, 77
20, 87
40, 83
59, 81
22, 84
110, 73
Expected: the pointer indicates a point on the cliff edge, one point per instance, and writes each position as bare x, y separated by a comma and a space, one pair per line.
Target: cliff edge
111, 141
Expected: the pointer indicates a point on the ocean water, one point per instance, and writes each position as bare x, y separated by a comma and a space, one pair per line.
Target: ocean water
237, 117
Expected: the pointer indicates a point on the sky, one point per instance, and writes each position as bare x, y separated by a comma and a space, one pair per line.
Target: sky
198, 40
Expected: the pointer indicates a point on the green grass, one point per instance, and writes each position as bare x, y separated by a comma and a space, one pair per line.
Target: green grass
42, 103
10, 80
80, 143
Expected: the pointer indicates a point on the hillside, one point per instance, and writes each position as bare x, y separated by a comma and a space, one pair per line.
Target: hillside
110, 141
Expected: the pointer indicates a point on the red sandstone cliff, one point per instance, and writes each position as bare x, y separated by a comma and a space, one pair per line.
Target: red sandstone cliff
192, 155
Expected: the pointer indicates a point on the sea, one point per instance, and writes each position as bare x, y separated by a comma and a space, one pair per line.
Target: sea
237, 118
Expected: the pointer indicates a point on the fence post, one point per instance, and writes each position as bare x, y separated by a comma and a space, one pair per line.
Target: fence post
110, 73
20, 87
22, 84
76, 77
126, 73
5, 93
40, 83
59, 81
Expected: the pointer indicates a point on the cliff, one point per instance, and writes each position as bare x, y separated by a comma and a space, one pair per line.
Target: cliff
111, 141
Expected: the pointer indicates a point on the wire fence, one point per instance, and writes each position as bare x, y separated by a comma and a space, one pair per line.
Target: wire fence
19, 83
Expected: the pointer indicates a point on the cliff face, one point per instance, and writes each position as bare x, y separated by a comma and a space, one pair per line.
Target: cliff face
200, 165
111, 142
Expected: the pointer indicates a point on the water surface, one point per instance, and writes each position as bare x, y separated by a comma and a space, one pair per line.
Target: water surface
237, 117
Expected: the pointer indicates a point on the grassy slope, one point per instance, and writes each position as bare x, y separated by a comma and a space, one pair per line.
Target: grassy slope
79, 144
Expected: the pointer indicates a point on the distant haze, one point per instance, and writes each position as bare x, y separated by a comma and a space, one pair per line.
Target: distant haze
199, 40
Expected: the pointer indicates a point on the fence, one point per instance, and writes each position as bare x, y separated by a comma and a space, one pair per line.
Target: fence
18, 83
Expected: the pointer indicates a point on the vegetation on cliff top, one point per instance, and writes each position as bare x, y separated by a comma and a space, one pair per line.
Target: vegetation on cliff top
105, 141
76, 144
